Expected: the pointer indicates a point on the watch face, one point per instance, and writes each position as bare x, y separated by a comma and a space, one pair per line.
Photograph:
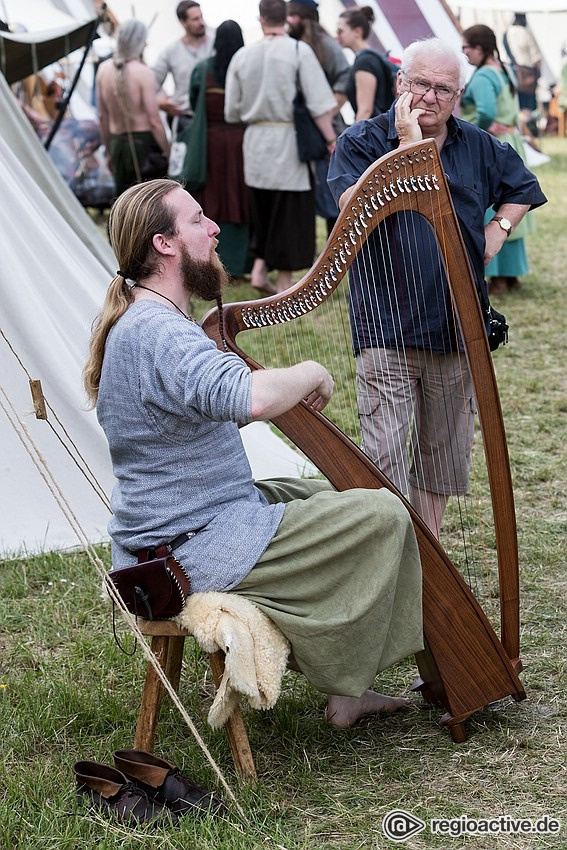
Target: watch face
504, 223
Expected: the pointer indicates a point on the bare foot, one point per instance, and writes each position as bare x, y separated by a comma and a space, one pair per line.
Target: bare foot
283, 281
264, 287
344, 712
259, 278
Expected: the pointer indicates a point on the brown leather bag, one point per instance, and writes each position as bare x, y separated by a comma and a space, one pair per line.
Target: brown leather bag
153, 589
527, 79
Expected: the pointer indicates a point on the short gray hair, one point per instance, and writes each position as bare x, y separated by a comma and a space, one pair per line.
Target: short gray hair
436, 48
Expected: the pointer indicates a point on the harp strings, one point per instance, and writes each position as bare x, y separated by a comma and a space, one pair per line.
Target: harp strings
324, 335
403, 266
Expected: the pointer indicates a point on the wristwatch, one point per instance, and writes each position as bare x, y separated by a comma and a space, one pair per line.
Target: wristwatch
504, 224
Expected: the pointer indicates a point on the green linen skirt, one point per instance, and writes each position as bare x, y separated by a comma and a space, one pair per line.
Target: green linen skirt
342, 581
123, 168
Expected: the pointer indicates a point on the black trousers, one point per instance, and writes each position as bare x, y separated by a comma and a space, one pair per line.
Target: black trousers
282, 228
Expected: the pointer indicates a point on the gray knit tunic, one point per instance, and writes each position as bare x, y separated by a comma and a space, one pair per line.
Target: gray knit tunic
168, 403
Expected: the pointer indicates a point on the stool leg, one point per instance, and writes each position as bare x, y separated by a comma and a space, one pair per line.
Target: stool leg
169, 653
235, 729
174, 660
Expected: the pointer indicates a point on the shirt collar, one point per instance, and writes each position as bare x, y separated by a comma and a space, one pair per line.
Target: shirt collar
454, 129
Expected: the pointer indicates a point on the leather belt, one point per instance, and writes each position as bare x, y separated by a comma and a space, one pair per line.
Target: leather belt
163, 549
180, 540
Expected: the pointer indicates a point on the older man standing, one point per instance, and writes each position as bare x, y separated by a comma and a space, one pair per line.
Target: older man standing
260, 88
179, 59
422, 396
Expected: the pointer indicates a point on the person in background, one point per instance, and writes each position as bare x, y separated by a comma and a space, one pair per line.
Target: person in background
260, 89
338, 572
562, 101
130, 124
490, 101
225, 194
370, 85
179, 59
303, 24
412, 380
525, 56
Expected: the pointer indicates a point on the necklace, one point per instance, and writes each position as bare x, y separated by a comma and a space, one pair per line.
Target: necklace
189, 317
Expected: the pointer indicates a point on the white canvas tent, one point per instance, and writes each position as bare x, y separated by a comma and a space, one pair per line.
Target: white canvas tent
55, 266
399, 22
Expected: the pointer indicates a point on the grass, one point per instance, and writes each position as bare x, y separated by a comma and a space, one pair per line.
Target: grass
67, 692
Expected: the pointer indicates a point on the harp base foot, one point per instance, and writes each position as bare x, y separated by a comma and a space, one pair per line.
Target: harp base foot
430, 693
456, 728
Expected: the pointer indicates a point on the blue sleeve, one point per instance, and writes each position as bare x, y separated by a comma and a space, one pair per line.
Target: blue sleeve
484, 172
357, 148
517, 184
192, 378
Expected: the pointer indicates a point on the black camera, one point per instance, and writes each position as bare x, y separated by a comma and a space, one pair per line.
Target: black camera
497, 329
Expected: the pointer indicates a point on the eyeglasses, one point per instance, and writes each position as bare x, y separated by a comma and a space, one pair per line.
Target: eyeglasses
420, 87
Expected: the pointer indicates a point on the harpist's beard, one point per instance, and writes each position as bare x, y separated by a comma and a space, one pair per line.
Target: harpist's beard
205, 279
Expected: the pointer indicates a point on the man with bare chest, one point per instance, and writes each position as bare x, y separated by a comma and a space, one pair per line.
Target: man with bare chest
129, 116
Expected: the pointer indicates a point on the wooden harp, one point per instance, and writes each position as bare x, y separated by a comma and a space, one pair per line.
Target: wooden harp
465, 664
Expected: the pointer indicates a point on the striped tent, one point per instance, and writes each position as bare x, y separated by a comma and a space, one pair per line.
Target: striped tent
399, 22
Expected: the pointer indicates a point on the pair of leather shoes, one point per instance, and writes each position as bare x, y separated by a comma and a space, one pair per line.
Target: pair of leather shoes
163, 782
109, 790
142, 788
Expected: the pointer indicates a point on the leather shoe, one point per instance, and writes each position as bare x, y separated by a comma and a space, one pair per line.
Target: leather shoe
110, 790
497, 286
163, 782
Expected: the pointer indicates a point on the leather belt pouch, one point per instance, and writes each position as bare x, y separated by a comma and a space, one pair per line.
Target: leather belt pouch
154, 589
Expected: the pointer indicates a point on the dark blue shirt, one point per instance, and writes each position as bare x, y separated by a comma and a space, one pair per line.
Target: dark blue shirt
401, 300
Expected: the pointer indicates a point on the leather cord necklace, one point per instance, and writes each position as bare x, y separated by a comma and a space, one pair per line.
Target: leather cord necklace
189, 317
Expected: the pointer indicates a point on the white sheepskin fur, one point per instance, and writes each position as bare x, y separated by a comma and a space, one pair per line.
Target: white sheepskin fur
256, 651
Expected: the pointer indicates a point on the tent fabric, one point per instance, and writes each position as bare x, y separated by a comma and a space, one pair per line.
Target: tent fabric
23, 54
54, 273
399, 22
17, 136
512, 6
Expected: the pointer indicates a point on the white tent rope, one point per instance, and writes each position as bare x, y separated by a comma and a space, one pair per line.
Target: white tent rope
77, 458
38, 460
43, 468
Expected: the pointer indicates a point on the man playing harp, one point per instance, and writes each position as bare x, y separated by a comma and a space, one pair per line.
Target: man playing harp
415, 393
338, 572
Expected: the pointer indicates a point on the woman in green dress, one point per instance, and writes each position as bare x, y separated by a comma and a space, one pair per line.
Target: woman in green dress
490, 101
225, 196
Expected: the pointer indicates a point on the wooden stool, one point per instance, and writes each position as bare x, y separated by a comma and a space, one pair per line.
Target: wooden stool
168, 641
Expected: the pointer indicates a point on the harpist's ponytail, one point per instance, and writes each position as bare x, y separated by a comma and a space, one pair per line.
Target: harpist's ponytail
135, 218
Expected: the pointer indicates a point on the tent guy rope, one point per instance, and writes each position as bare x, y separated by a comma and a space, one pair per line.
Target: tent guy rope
19, 427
